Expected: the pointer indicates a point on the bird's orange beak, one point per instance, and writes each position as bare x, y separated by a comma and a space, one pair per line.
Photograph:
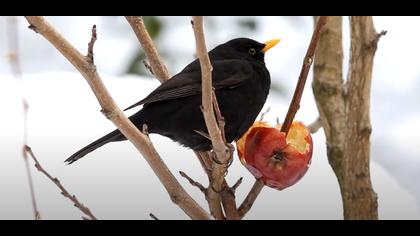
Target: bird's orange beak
269, 44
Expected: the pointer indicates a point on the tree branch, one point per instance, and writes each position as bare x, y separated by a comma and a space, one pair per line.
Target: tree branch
218, 186
57, 182
156, 65
315, 126
214, 201
153, 216
307, 62
237, 184
193, 183
344, 111
329, 91
219, 147
293, 108
250, 198
13, 56
212, 197
89, 55
149, 68
177, 193
360, 200
229, 204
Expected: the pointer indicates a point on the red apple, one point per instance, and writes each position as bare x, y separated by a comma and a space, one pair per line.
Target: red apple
278, 160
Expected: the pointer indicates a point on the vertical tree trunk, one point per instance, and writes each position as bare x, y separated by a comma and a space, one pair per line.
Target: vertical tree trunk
329, 92
360, 201
344, 111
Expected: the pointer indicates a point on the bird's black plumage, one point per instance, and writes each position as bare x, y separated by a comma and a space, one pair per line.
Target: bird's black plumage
241, 82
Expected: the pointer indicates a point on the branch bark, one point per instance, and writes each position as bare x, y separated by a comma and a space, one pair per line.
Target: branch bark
229, 203
250, 198
344, 111
329, 92
177, 193
360, 200
193, 182
219, 147
213, 198
218, 188
158, 68
137, 24
307, 62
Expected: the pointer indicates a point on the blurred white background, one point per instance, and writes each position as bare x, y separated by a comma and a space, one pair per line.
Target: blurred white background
116, 183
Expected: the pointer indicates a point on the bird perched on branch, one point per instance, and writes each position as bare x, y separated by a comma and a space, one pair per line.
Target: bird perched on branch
241, 82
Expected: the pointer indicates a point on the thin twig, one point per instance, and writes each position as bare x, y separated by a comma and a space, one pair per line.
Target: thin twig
204, 134
205, 161
264, 113
307, 62
153, 216
236, 185
380, 34
13, 47
158, 68
177, 193
293, 108
193, 183
93, 38
37, 214
63, 190
250, 198
148, 67
315, 126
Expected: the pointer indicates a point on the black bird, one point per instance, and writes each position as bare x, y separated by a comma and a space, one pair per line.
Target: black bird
241, 83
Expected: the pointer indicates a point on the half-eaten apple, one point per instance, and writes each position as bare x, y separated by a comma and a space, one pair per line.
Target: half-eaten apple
269, 155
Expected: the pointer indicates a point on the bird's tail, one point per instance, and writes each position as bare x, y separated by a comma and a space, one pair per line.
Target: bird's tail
114, 136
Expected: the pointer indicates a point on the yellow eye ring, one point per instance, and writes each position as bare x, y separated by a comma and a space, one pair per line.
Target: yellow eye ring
252, 51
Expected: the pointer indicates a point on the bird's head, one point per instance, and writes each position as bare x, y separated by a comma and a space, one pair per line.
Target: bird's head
242, 48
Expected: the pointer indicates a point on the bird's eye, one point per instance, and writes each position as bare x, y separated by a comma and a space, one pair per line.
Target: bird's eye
252, 51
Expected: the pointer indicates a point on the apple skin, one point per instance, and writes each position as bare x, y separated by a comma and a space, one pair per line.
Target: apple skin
278, 160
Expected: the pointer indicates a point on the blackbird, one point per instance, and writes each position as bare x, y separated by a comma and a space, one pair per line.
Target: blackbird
241, 82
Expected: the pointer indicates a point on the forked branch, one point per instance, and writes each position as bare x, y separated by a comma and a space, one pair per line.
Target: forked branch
110, 109
63, 190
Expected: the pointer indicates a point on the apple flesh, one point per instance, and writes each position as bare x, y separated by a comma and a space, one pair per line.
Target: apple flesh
278, 160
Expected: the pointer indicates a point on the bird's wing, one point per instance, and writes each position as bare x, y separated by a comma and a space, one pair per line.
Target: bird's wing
226, 73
